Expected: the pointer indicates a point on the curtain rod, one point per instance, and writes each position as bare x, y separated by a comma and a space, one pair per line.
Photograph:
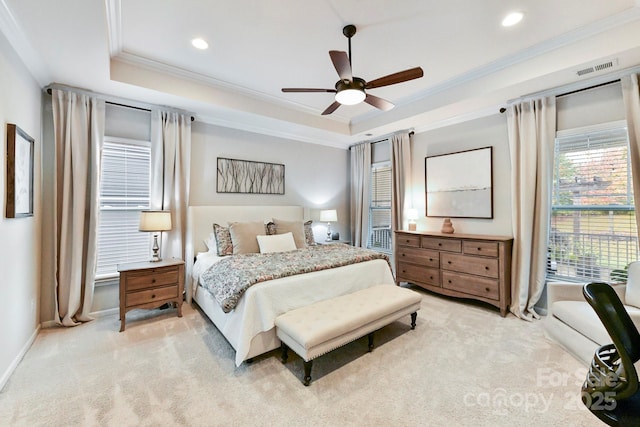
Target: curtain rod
120, 102
411, 133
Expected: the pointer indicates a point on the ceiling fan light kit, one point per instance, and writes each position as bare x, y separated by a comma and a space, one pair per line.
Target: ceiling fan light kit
350, 90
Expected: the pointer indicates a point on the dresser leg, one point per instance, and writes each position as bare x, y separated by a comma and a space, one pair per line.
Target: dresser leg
122, 322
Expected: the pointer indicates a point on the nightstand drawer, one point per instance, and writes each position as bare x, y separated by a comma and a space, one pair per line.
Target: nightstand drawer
152, 278
151, 295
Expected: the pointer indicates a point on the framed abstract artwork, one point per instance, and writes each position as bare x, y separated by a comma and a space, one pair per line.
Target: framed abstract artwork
460, 185
245, 176
19, 173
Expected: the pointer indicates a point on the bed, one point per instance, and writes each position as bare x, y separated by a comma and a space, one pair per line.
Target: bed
249, 327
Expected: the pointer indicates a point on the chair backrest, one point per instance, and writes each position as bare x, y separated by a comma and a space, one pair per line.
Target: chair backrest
604, 300
624, 334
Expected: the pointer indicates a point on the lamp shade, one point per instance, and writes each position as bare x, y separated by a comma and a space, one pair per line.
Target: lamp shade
155, 221
412, 214
329, 215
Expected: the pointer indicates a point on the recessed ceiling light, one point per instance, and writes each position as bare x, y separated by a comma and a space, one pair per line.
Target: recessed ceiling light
512, 19
199, 43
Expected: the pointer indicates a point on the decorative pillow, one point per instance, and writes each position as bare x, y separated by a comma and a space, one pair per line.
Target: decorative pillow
271, 228
632, 291
210, 243
223, 240
308, 234
243, 236
295, 227
276, 243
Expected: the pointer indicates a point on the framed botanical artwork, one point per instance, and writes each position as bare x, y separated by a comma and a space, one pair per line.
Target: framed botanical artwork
460, 185
19, 173
246, 176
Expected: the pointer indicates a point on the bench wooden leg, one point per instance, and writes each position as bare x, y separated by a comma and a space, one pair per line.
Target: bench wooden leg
414, 316
284, 355
307, 372
370, 336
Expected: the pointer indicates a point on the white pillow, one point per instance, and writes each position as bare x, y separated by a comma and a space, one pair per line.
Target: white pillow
632, 291
210, 243
276, 243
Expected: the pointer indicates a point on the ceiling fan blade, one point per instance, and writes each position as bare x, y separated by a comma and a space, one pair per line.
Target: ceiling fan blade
301, 89
380, 103
399, 77
331, 108
341, 62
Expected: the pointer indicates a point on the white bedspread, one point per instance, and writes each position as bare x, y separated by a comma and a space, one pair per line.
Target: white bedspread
263, 302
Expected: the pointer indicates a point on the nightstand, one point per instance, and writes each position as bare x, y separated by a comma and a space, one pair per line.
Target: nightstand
150, 285
333, 242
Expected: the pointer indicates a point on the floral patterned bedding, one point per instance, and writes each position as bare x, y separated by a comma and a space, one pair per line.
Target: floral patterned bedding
228, 279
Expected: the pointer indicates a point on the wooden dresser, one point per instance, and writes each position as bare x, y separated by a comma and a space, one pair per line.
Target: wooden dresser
150, 285
458, 265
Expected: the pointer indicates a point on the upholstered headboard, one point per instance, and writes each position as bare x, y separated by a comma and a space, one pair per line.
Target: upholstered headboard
202, 218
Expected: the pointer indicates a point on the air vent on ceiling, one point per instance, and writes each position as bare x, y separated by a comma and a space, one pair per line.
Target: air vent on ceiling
599, 67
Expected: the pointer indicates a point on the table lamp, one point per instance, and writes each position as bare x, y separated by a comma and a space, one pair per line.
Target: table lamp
412, 215
328, 216
155, 222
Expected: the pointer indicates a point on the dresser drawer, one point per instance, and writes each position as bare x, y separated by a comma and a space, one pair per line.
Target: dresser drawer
479, 286
152, 278
475, 247
408, 240
416, 273
449, 245
418, 256
151, 295
487, 267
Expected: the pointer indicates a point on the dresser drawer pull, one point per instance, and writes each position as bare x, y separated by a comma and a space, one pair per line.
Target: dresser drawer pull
439, 244
153, 295
430, 259
153, 280
449, 281
431, 277
402, 254
479, 249
407, 241
487, 289
486, 268
448, 262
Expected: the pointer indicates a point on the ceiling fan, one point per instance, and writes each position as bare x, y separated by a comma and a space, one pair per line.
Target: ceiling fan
351, 90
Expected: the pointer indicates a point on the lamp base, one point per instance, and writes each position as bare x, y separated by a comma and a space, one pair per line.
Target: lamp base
412, 226
156, 250
328, 239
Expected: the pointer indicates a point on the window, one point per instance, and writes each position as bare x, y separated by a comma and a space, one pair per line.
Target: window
380, 208
593, 233
124, 192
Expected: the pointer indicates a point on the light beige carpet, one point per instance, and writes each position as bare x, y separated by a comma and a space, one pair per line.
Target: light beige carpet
463, 365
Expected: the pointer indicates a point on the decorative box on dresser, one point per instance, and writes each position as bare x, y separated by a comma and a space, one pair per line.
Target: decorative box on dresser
459, 265
150, 285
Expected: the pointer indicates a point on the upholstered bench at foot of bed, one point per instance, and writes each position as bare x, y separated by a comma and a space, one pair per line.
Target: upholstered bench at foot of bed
317, 329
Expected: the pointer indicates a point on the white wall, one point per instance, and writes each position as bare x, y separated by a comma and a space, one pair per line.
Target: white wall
20, 104
483, 132
316, 177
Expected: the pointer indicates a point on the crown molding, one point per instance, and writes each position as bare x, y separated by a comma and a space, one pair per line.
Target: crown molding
17, 38
114, 26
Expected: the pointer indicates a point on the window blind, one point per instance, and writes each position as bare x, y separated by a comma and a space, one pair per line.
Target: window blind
593, 231
124, 192
380, 207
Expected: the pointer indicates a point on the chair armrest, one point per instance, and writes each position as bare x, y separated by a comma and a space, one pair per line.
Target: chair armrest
572, 291
564, 291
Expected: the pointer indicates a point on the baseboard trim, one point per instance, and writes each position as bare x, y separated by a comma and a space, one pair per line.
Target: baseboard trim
16, 361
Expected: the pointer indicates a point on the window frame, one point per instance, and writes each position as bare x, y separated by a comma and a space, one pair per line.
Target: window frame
372, 208
590, 270
109, 277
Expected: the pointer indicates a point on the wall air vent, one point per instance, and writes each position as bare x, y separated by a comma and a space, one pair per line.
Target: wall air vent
599, 67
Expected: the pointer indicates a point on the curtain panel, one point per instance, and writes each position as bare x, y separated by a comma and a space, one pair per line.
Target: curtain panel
531, 128
170, 161
78, 122
631, 97
401, 179
360, 177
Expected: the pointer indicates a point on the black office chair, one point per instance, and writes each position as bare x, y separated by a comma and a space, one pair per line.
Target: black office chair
611, 390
